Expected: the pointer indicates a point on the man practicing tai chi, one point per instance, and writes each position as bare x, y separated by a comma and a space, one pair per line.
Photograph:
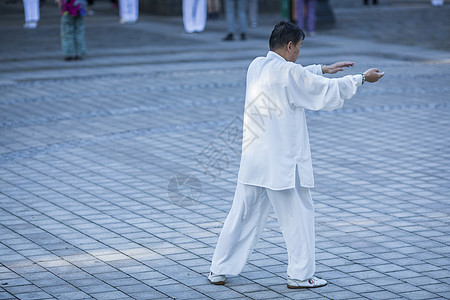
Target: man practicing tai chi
276, 168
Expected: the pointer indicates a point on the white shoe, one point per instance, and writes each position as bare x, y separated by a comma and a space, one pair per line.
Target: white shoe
30, 25
127, 21
313, 282
216, 279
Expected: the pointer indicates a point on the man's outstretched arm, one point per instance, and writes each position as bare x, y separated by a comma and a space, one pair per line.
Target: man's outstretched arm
336, 67
370, 75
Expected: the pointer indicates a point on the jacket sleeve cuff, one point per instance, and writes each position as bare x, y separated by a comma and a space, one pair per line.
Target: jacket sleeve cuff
358, 79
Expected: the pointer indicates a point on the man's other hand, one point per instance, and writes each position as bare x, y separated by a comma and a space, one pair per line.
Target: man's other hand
373, 74
336, 67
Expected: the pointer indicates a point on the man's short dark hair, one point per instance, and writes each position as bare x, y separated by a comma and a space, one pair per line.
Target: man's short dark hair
283, 33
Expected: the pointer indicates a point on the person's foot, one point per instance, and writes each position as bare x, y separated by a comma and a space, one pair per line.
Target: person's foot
30, 25
216, 279
127, 21
243, 36
313, 282
67, 58
229, 37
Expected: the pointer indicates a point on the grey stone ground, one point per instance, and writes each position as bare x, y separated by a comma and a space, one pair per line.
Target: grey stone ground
91, 153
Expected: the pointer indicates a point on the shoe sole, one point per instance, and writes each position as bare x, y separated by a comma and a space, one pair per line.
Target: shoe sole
217, 282
304, 287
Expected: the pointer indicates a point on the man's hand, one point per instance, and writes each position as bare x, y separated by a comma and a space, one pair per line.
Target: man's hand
373, 74
336, 67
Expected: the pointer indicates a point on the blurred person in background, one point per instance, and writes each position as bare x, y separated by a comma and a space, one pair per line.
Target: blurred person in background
128, 11
230, 9
72, 28
306, 16
194, 15
31, 9
214, 7
253, 13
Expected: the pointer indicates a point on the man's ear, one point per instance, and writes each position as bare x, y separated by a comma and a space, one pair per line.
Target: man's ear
289, 46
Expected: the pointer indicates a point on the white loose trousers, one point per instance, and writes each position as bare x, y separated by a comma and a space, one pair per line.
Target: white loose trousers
31, 8
194, 15
251, 206
129, 10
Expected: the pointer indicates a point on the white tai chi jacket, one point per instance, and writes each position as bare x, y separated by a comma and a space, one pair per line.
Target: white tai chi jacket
275, 140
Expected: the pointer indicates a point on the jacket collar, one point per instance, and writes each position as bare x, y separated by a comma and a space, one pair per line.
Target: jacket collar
273, 55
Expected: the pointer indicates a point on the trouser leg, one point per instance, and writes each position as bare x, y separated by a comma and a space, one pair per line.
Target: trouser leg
194, 15
242, 14
253, 12
241, 230
134, 10
295, 213
217, 5
300, 14
67, 36
79, 41
229, 8
200, 15
187, 15
31, 9
311, 15
123, 10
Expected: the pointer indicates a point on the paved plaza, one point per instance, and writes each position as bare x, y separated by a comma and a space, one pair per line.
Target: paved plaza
117, 171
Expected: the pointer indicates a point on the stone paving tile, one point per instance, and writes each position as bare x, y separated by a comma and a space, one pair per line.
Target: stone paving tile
34, 295
110, 295
418, 295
